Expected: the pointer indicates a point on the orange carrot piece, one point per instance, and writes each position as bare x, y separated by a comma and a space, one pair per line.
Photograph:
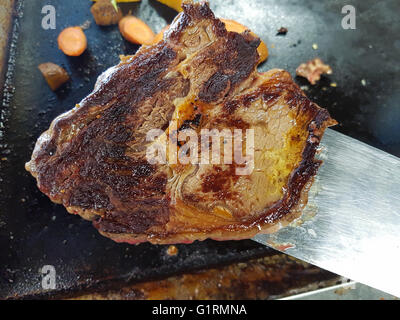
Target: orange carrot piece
159, 36
135, 30
72, 41
234, 26
262, 51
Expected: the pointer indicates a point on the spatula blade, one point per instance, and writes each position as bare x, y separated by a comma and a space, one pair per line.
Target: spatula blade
351, 224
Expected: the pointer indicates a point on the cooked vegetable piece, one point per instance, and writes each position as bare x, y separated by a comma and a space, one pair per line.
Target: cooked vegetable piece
135, 30
105, 14
232, 25
72, 41
174, 4
54, 74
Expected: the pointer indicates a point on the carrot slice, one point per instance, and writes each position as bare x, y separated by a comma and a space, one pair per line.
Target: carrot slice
159, 36
135, 30
232, 25
72, 41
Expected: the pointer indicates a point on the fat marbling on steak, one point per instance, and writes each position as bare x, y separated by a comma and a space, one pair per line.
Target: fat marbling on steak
92, 159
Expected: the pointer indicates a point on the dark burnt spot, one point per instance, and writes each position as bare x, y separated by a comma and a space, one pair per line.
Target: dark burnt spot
219, 28
134, 81
143, 169
231, 106
192, 123
90, 195
234, 65
247, 99
119, 134
219, 182
271, 97
215, 85
201, 11
215, 181
295, 138
107, 151
148, 213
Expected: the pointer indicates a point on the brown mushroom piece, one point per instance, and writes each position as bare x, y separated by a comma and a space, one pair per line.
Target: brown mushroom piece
55, 75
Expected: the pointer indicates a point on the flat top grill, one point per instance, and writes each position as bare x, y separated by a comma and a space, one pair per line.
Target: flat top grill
35, 232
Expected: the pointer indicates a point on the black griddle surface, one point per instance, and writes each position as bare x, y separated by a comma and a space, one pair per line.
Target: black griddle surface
35, 232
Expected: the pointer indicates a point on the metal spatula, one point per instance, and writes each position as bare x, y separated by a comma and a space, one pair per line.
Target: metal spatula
351, 224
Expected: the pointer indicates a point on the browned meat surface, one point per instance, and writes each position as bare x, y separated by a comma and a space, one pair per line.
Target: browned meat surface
92, 159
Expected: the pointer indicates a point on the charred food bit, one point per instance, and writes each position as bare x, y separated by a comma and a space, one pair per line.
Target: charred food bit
105, 14
313, 69
92, 159
282, 31
54, 75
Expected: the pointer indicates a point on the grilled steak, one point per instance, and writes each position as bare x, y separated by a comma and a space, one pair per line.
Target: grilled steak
93, 160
